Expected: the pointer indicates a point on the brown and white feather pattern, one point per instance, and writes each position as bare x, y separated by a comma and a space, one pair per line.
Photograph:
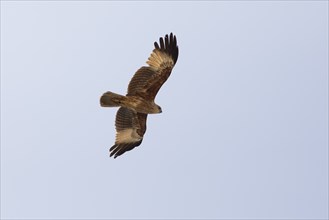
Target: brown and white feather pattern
131, 125
129, 131
148, 80
139, 81
160, 60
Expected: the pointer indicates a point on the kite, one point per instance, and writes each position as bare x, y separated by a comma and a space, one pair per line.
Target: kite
131, 117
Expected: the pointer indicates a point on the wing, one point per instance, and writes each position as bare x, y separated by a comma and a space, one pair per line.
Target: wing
130, 127
148, 80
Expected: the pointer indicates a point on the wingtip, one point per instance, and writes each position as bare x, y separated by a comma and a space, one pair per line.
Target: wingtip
112, 151
168, 44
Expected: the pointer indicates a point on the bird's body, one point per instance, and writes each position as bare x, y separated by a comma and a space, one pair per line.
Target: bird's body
139, 102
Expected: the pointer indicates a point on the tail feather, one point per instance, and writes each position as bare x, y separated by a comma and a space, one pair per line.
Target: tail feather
110, 99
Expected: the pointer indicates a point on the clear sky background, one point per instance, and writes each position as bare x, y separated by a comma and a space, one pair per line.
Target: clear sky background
244, 128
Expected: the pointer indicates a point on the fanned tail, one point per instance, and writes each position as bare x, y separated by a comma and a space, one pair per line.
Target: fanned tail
110, 99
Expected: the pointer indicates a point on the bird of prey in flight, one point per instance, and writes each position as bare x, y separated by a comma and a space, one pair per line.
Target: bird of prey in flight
131, 117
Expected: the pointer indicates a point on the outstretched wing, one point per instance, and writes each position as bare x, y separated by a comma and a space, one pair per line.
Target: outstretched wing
130, 127
148, 80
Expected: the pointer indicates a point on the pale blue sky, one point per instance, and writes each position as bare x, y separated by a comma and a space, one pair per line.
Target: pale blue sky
244, 128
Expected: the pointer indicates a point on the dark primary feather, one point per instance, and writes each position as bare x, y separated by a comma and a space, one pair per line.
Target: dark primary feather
170, 47
119, 149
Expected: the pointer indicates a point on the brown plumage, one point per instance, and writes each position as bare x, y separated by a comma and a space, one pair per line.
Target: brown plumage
131, 117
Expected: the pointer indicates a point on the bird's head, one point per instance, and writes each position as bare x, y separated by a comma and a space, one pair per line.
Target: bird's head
154, 109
